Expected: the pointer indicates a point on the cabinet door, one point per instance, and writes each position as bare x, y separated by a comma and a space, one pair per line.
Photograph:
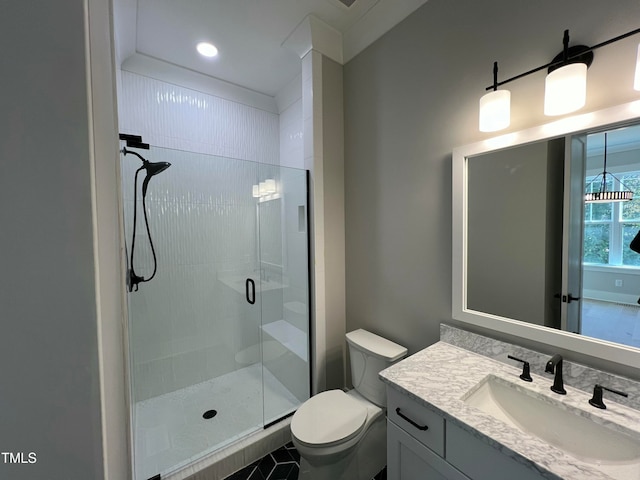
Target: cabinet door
423, 424
408, 459
482, 461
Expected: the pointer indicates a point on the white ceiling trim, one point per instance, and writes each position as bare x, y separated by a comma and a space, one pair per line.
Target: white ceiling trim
313, 33
177, 75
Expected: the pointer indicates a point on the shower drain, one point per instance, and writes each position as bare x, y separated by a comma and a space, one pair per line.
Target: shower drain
209, 414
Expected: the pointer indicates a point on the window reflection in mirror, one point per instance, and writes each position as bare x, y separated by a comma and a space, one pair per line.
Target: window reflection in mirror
611, 270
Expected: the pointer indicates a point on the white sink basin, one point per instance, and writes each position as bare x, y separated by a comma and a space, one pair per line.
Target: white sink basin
567, 429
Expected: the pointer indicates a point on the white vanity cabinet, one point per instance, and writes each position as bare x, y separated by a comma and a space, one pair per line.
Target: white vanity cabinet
408, 459
442, 451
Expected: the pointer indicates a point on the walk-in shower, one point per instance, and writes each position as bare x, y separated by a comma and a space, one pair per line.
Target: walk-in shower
219, 338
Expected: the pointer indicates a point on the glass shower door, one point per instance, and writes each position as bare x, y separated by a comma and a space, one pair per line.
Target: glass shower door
283, 256
207, 366
194, 339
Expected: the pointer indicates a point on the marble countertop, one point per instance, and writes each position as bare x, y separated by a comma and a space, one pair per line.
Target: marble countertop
442, 374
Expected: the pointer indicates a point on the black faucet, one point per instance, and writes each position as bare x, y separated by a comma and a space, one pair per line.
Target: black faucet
596, 401
555, 366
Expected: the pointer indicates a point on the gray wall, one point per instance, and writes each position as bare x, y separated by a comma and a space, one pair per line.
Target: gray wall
507, 232
410, 98
514, 246
49, 400
600, 284
333, 197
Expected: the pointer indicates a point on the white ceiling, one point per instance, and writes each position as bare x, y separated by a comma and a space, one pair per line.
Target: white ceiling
249, 34
618, 140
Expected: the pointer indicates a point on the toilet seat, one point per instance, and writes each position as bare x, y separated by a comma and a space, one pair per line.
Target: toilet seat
328, 419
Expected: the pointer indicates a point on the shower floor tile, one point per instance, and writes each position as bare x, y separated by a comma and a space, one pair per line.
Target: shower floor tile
170, 430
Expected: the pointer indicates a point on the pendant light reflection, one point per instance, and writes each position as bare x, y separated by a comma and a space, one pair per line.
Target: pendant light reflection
603, 195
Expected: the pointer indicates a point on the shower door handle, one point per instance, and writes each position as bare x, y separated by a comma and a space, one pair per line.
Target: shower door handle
250, 292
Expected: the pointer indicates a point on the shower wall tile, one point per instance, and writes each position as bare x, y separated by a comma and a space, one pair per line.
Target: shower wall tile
291, 152
187, 368
186, 324
202, 225
186, 310
171, 116
153, 378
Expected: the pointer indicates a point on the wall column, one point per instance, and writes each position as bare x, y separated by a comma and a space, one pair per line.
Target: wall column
320, 48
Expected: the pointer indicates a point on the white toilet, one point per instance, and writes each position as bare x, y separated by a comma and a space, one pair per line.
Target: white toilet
343, 435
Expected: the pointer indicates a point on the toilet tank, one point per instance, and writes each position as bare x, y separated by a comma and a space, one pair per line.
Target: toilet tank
369, 355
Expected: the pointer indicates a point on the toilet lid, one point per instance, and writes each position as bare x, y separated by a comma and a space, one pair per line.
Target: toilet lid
329, 417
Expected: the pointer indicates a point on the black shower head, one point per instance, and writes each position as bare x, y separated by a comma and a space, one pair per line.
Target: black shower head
155, 168
152, 168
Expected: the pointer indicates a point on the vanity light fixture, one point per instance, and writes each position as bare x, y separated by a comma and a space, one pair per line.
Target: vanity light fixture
602, 195
565, 85
565, 88
495, 107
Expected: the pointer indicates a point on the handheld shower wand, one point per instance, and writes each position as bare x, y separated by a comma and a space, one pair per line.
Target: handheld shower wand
152, 168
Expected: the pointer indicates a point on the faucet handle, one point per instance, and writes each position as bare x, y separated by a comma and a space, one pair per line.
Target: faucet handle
596, 400
525, 375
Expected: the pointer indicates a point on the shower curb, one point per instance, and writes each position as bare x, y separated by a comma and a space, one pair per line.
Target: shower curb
236, 456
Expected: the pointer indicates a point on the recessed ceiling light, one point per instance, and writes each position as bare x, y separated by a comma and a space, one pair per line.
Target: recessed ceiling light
207, 49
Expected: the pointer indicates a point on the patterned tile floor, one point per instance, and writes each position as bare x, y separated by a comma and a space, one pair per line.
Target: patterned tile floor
281, 464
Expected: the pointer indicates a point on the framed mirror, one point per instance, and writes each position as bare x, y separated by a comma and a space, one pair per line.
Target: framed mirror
520, 227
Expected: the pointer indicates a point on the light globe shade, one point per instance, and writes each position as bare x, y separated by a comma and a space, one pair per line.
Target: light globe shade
565, 89
495, 111
636, 82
